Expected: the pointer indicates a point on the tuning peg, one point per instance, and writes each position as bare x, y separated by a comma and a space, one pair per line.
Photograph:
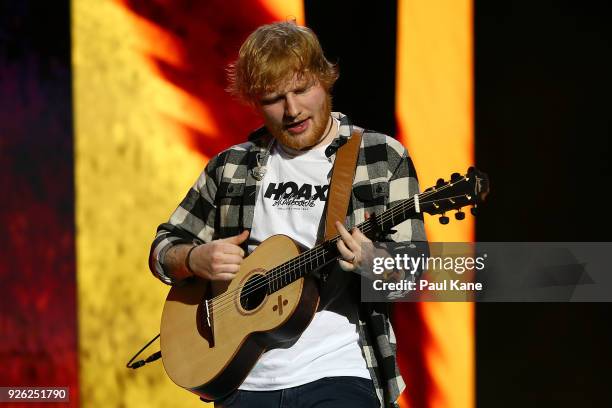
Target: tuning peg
459, 215
474, 210
440, 182
443, 220
455, 177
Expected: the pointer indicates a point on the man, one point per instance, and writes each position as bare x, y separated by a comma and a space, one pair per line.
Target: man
278, 183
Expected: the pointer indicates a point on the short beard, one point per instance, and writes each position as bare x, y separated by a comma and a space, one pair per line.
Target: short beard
316, 132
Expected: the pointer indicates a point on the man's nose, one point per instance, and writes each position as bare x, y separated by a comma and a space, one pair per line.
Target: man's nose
291, 106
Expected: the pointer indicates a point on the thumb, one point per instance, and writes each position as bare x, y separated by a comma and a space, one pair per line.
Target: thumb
237, 239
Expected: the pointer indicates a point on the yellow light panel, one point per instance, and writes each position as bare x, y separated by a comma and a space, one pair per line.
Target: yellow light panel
434, 103
133, 165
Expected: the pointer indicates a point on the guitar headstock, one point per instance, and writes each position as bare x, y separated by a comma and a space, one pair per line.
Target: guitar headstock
460, 191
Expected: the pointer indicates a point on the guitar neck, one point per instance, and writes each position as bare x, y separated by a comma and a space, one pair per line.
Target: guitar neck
459, 192
326, 252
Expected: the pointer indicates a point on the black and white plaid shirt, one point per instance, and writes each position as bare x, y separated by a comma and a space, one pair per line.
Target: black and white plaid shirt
222, 202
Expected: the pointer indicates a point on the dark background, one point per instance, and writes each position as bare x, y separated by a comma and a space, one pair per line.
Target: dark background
543, 134
360, 38
38, 341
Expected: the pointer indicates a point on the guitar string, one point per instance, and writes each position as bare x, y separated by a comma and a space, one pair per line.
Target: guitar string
220, 302
281, 271
291, 264
366, 227
224, 301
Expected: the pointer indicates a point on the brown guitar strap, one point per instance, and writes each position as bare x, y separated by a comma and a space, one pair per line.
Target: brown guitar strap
341, 184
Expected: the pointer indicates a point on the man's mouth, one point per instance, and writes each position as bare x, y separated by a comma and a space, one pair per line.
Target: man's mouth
297, 127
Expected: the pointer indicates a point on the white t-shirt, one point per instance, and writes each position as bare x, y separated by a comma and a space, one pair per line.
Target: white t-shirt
291, 202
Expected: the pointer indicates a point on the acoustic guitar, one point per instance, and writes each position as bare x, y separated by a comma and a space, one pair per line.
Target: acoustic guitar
213, 334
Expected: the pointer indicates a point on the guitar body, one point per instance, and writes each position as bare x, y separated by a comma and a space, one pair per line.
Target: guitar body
213, 334
212, 361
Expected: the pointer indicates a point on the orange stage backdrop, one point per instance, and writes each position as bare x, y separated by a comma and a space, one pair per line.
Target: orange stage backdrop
434, 105
149, 110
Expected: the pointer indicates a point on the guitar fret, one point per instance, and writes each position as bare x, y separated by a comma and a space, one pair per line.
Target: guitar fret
324, 253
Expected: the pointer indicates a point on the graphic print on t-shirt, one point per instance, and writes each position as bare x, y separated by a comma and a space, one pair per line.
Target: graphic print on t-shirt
292, 196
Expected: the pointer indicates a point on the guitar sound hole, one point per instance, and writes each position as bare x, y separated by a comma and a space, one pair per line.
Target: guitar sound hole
253, 292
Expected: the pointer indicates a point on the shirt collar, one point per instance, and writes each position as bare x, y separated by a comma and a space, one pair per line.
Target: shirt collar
344, 134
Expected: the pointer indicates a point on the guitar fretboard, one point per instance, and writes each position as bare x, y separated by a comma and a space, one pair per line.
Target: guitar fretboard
326, 252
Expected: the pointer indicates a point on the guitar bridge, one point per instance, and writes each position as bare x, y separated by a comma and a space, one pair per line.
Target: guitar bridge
208, 315
207, 320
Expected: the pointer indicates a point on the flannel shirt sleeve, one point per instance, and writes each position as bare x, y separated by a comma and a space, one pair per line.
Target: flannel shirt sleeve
381, 353
403, 184
193, 220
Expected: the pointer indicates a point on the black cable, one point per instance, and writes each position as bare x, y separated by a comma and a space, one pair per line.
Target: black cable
149, 359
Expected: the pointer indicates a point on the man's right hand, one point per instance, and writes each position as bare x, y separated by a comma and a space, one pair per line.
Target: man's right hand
218, 260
